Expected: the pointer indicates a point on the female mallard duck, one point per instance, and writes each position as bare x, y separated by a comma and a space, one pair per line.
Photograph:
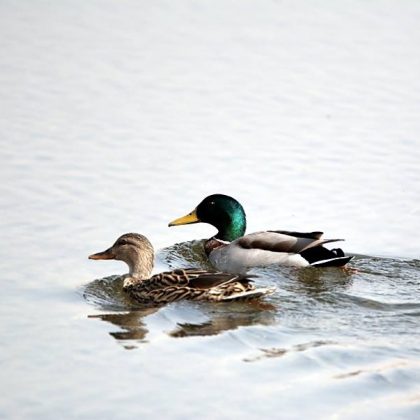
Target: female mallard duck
230, 251
189, 283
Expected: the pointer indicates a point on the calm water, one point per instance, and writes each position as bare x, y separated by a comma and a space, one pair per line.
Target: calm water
121, 116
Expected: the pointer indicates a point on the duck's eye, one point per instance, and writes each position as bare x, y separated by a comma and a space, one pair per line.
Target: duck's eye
212, 203
122, 242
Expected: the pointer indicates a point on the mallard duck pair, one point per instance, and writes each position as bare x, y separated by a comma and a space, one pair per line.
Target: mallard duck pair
229, 251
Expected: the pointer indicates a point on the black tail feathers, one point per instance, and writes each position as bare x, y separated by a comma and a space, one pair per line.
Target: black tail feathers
323, 257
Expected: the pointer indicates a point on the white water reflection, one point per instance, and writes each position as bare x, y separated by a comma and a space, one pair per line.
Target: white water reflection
118, 117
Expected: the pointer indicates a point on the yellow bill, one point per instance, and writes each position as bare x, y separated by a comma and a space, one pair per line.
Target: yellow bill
186, 220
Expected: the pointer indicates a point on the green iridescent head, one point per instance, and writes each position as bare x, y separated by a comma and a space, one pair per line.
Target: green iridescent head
223, 212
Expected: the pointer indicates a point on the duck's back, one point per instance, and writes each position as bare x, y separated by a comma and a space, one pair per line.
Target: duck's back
271, 247
194, 284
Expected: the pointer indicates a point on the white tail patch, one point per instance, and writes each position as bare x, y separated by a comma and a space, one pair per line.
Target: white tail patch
322, 262
251, 294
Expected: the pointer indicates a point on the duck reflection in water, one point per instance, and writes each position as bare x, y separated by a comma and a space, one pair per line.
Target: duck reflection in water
131, 324
106, 294
134, 326
139, 288
320, 280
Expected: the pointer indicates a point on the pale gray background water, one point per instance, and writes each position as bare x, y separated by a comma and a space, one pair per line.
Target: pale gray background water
120, 116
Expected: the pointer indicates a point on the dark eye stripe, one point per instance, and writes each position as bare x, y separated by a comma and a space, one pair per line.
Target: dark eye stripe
126, 242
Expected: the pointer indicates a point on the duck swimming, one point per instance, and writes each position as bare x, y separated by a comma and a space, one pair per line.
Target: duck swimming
229, 250
189, 283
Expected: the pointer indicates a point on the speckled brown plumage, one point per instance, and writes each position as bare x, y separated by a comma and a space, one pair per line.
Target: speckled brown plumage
170, 286
190, 284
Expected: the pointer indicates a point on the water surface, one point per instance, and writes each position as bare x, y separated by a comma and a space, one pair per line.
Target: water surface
120, 116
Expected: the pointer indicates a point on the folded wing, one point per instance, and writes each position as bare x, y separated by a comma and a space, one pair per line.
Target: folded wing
283, 241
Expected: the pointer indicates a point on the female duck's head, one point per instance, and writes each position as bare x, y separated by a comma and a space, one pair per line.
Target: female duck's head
223, 212
135, 250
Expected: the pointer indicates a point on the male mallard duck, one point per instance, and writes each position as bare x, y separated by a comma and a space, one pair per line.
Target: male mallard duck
189, 283
230, 251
